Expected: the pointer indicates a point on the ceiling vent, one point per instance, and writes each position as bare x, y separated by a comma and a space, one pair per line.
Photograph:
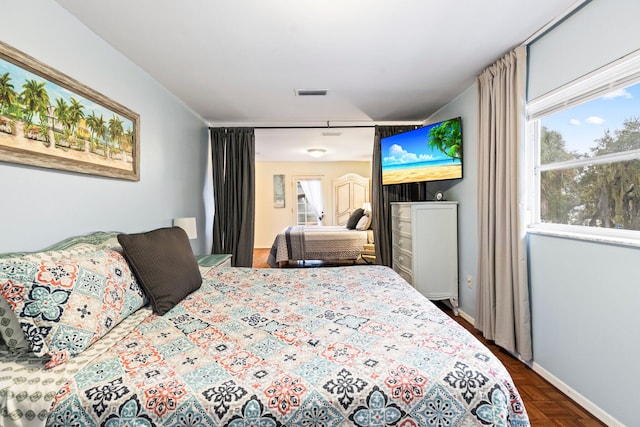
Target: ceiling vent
311, 92
331, 133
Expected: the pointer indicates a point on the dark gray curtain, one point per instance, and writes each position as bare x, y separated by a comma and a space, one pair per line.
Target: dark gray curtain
382, 196
233, 160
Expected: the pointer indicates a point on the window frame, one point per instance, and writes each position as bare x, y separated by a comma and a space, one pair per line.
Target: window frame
619, 74
307, 211
294, 194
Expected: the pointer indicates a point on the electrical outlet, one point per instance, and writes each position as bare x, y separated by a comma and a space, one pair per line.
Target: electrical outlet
469, 281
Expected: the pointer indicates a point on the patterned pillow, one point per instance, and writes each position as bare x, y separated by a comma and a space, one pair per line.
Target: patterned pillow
77, 244
10, 332
65, 301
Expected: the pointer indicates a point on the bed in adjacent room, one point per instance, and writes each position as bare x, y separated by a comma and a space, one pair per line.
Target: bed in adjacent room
322, 243
317, 243
100, 341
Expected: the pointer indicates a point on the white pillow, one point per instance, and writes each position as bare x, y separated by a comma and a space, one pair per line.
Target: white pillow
365, 222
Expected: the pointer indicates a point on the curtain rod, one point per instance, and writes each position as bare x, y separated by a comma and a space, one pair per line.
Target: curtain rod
327, 126
315, 127
298, 127
551, 25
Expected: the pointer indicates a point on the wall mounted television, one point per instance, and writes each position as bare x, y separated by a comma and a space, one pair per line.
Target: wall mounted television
429, 153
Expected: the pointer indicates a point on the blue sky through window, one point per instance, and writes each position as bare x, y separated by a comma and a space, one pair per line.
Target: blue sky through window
581, 125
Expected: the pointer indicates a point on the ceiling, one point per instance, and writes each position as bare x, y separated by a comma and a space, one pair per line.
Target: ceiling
239, 63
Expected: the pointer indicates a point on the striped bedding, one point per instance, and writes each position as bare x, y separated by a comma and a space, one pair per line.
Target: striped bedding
325, 243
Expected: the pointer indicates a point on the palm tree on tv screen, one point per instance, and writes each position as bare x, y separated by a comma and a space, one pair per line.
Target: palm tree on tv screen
447, 137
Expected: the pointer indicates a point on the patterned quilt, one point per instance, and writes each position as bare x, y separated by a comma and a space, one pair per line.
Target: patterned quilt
27, 390
294, 347
328, 243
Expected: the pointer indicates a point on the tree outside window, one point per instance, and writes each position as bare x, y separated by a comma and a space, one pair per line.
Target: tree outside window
588, 168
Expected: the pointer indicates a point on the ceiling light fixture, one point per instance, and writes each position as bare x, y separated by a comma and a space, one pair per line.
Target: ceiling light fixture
316, 152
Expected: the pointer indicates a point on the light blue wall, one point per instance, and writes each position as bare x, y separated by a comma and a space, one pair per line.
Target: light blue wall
465, 192
585, 294
585, 320
41, 206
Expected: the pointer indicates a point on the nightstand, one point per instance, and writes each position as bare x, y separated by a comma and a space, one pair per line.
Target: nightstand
368, 254
207, 262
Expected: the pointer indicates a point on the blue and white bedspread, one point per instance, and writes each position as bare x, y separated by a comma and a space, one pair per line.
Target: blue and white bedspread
294, 347
27, 390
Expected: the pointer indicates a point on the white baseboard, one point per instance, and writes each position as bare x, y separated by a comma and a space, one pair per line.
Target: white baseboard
588, 405
466, 317
577, 397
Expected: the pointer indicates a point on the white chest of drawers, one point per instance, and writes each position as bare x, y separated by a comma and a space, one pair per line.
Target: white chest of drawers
425, 247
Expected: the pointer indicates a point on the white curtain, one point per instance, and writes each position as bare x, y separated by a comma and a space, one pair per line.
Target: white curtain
313, 192
209, 203
503, 312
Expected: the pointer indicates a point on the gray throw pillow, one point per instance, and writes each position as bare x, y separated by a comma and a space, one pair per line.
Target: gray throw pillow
164, 264
354, 218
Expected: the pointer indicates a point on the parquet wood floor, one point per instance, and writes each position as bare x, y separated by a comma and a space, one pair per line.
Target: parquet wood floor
546, 405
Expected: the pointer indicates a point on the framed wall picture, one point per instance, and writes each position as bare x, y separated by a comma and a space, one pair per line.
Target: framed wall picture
278, 191
50, 120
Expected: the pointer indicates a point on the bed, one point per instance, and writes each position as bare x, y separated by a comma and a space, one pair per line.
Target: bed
321, 243
248, 347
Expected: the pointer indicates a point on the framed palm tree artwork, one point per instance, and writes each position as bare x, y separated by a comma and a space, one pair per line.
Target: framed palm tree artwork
50, 120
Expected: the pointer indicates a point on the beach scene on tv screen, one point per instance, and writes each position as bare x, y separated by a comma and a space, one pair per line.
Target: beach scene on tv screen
430, 153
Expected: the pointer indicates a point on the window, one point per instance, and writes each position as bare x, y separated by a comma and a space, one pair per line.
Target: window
309, 210
586, 154
306, 215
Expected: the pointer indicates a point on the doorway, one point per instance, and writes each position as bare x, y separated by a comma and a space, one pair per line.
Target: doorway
308, 206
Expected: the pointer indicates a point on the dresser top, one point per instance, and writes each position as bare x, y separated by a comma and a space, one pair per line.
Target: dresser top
444, 202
